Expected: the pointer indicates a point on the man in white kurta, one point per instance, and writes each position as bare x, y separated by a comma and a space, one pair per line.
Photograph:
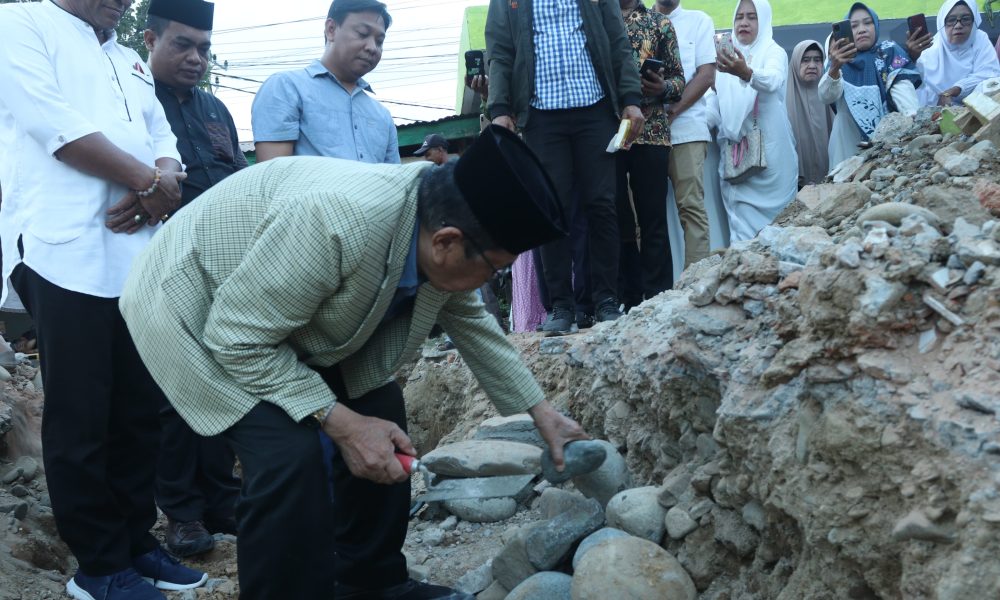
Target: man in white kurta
92, 168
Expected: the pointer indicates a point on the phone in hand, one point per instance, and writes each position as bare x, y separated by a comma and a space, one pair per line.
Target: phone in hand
475, 64
843, 31
917, 21
724, 44
650, 65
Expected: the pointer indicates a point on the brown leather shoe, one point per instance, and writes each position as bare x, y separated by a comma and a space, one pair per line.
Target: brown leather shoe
188, 538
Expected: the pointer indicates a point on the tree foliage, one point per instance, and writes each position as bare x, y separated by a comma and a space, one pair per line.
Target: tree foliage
131, 27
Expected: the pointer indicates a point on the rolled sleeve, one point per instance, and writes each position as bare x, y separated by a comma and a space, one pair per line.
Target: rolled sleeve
31, 92
277, 110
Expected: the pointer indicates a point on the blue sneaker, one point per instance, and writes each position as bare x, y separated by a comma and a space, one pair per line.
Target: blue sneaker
166, 572
118, 586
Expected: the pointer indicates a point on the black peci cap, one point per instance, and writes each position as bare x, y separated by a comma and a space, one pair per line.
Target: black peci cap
509, 191
193, 13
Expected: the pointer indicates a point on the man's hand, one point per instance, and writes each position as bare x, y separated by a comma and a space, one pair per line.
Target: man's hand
368, 444
166, 199
636, 123
918, 41
556, 429
841, 53
653, 84
506, 121
734, 65
481, 85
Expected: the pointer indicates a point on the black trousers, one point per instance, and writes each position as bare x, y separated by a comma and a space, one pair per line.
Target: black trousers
647, 270
194, 474
99, 430
298, 537
571, 145
578, 233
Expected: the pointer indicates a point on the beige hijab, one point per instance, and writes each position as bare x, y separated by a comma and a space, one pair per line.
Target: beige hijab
811, 119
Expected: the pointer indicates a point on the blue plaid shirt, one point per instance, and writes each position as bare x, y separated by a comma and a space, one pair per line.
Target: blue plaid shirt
564, 74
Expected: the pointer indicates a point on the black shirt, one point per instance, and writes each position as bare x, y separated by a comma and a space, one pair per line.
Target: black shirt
206, 138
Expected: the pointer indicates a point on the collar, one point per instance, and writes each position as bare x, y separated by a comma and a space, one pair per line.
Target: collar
162, 87
639, 8
81, 24
411, 277
317, 69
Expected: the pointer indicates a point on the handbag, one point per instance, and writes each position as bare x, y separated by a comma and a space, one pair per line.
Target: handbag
745, 158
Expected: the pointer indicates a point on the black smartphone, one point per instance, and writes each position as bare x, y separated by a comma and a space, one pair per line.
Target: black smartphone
843, 31
475, 63
650, 65
917, 21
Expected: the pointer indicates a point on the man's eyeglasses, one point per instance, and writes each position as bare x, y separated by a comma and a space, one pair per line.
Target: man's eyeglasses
965, 20
497, 271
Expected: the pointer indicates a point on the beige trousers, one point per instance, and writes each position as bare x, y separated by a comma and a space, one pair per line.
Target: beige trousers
687, 171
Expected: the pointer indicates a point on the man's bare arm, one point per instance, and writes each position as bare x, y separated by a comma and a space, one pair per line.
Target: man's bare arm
704, 78
95, 155
269, 150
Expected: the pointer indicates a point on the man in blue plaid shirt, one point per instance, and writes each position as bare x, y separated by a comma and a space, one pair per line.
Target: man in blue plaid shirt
562, 71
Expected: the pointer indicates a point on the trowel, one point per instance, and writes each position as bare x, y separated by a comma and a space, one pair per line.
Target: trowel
505, 486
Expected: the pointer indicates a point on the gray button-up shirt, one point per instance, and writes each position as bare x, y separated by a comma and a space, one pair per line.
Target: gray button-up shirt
310, 107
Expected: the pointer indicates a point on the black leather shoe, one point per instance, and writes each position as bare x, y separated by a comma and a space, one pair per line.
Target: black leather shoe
408, 590
188, 538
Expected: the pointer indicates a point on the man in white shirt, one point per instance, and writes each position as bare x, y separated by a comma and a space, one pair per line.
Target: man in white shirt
95, 170
689, 132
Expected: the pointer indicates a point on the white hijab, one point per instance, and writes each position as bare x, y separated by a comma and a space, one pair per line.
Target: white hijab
945, 64
736, 98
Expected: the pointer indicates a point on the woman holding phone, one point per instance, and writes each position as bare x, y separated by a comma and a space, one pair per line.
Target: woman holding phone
750, 91
867, 79
959, 58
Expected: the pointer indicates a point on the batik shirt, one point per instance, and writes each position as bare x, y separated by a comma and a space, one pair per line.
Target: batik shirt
652, 36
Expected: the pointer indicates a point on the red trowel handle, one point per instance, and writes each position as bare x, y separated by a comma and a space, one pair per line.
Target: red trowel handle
409, 463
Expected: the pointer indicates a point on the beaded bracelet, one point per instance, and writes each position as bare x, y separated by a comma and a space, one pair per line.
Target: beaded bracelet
152, 189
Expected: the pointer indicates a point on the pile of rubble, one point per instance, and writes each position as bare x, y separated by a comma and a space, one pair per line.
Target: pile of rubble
811, 414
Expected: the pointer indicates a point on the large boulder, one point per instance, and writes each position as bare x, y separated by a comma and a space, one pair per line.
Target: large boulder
631, 568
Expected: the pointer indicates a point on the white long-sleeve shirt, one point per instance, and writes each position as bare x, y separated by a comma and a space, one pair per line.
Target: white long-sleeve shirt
845, 136
59, 85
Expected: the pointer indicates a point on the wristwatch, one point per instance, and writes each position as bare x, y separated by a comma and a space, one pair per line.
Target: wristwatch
320, 415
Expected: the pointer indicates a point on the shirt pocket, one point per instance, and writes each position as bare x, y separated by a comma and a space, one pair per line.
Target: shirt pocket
377, 136
222, 144
688, 58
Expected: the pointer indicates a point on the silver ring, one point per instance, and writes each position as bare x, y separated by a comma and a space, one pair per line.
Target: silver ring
138, 219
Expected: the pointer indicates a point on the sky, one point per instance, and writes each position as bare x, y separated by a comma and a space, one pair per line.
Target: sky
255, 38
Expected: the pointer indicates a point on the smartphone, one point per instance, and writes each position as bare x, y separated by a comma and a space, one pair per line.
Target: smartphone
724, 44
918, 20
843, 31
475, 63
650, 65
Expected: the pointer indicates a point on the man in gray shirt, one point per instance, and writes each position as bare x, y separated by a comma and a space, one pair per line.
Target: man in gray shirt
323, 110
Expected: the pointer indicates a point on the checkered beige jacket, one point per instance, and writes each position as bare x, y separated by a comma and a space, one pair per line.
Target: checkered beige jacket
289, 264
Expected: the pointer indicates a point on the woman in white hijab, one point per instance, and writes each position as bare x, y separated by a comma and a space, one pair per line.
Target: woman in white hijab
960, 57
754, 81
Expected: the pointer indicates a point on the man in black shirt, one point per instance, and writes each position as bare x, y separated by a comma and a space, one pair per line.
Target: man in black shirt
195, 486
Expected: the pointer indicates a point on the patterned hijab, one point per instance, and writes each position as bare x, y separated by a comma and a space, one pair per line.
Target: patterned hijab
811, 119
871, 74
